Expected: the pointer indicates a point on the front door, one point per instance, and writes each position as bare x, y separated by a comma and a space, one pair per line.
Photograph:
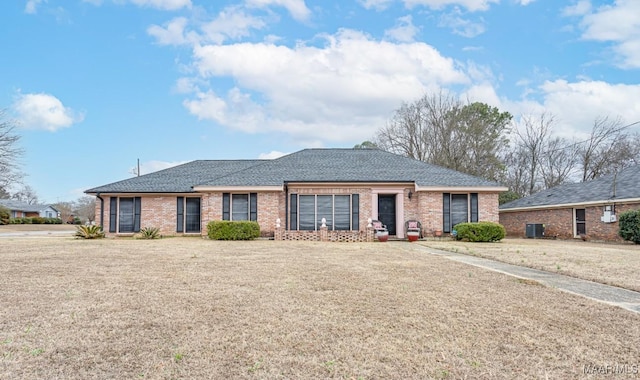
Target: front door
387, 211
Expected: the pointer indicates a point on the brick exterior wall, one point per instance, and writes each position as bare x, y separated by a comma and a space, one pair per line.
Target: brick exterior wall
560, 222
160, 211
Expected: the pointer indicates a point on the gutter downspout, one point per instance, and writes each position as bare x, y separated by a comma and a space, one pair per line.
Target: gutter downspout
101, 210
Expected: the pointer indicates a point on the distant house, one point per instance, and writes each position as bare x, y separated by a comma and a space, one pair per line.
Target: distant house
290, 196
23, 210
571, 210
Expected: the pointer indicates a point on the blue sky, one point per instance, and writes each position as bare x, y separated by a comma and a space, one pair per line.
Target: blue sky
97, 84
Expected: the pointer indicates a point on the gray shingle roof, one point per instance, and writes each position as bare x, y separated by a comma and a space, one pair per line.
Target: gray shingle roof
627, 186
22, 206
309, 165
177, 179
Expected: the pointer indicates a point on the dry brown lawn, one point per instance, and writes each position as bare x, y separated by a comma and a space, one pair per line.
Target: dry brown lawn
188, 308
607, 263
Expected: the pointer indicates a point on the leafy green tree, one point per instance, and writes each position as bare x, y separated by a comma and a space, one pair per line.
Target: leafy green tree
366, 145
507, 196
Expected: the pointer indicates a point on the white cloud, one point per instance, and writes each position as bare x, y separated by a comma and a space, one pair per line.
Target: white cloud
231, 23
376, 4
32, 6
525, 2
471, 5
619, 24
271, 155
208, 106
580, 8
171, 34
154, 166
341, 91
576, 105
168, 5
461, 26
44, 111
404, 31
297, 8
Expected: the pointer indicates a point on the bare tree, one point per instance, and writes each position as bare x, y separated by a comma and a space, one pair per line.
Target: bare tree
531, 138
26, 194
557, 163
442, 130
10, 152
608, 148
86, 208
66, 211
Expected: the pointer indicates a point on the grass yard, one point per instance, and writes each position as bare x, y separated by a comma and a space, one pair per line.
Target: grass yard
607, 263
188, 308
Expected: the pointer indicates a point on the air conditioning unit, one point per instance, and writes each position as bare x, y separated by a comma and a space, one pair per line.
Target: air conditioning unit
608, 217
535, 230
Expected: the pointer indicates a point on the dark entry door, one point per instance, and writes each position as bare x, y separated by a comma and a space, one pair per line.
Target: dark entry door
387, 211
581, 227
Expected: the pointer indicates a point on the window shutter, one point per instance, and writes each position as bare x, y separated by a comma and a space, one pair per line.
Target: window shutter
446, 212
138, 209
226, 209
253, 207
474, 207
293, 212
180, 215
113, 214
355, 212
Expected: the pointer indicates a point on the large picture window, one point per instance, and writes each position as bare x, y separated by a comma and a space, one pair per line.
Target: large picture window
458, 208
124, 213
240, 206
188, 215
341, 212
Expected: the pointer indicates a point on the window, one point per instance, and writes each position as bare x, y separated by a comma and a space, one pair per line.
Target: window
458, 208
240, 206
188, 215
125, 214
341, 212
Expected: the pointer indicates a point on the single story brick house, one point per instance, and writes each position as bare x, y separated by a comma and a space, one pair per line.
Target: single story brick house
19, 209
580, 209
290, 196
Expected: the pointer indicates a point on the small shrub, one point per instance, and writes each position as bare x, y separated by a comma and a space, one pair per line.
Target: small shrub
149, 233
15, 221
229, 230
37, 220
89, 232
629, 226
26, 220
480, 232
5, 215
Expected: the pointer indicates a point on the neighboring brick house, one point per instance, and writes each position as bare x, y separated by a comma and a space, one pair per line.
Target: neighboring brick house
19, 209
346, 187
574, 209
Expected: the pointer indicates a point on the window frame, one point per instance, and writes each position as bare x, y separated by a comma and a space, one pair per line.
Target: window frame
252, 206
473, 209
183, 214
299, 209
115, 214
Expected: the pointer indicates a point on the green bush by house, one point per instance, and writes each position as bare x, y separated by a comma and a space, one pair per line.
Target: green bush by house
229, 230
629, 226
34, 220
480, 232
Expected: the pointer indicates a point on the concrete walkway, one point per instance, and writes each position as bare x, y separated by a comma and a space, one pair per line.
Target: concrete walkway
626, 299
